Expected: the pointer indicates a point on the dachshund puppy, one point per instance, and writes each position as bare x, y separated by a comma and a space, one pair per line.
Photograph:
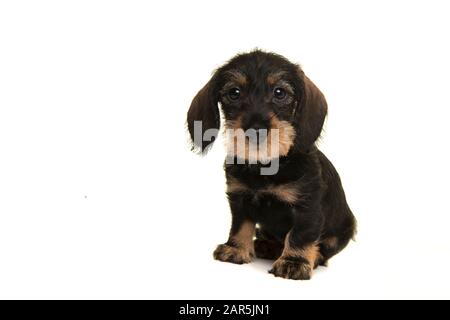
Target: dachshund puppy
298, 214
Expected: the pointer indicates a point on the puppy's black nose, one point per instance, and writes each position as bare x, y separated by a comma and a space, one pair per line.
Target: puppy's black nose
260, 125
257, 125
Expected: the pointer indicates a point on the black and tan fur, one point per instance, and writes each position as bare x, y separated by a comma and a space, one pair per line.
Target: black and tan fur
298, 217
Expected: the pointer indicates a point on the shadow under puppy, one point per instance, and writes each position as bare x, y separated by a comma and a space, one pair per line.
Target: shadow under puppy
298, 216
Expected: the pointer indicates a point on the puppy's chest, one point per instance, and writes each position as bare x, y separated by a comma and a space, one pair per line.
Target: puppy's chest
259, 189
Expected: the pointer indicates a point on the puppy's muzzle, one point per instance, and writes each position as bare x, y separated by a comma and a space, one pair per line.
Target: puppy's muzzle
257, 124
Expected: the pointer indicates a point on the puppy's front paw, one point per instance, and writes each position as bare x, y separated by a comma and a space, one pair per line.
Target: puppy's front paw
291, 268
231, 254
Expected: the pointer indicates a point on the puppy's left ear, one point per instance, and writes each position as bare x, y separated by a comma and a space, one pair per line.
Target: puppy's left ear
204, 117
311, 114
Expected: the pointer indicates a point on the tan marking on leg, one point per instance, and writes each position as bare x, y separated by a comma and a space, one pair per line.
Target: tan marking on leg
309, 252
289, 268
244, 238
242, 249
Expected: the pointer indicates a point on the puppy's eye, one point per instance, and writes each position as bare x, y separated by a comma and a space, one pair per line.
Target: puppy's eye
234, 94
279, 93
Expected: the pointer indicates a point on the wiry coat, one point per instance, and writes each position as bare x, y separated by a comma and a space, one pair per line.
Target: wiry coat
299, 215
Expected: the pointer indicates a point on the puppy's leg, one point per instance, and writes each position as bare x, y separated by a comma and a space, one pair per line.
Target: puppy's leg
332, 245
296, 261
301, 251
329, 247
239, 247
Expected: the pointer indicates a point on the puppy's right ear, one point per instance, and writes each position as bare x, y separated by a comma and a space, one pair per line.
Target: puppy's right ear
203, 117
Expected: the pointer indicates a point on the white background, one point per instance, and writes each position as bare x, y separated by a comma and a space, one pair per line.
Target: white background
100, 196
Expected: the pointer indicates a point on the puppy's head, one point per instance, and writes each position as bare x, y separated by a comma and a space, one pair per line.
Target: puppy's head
260, 91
